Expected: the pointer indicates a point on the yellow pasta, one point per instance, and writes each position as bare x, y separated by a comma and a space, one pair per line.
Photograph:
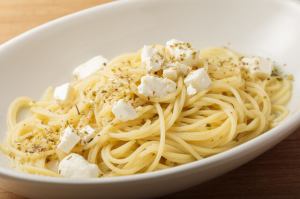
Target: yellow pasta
168, 131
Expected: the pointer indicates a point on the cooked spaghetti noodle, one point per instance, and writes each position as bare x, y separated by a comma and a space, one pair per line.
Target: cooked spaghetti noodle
168, 131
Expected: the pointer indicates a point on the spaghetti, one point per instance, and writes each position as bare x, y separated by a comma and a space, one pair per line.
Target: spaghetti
167, 131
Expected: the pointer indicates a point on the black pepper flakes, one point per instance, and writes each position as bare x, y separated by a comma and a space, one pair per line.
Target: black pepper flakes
78, 112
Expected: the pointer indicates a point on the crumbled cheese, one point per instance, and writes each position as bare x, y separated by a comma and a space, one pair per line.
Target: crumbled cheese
258, 65
68, 140
151, 58
182, 52
75, 166
62, 93
152, 86
123, 111
191, 90
170, 73
197, 80
88, 68
180, 67
87, 133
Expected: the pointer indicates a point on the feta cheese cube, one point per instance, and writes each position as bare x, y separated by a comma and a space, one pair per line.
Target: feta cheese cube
88, 68
151, 58
68, 140
180, 67
152, 86
87, 133
62, 93
123, 111
170, 73
182, 52
191, 90
197, 80
258, 66
75, 166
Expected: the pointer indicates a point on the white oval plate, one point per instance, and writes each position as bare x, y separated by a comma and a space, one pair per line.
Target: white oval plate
46, 56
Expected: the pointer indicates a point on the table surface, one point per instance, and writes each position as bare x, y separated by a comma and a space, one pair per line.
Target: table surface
275, 174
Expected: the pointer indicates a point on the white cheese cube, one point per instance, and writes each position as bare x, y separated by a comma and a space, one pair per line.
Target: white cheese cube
123, 111
75, 166
87, 133
191, 90
258, 65
180, 67
88, 68
152, 86
62, 93
68, 140
197, 80
170, 73
182, 52
151, 58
